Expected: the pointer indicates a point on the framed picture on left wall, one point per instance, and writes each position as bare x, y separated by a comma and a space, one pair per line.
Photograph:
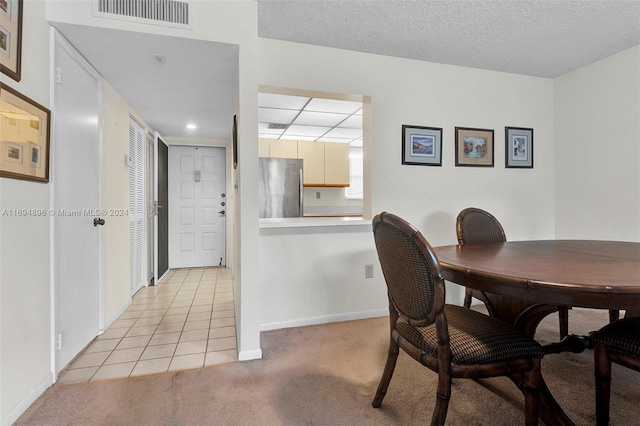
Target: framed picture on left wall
11, 37
421, 146
24, 144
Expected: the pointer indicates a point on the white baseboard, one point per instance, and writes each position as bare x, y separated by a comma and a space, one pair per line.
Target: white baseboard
26, 402
249, 355
325, 319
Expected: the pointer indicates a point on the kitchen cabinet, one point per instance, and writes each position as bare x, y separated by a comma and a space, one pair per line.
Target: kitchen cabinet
326, 164
313, 155
336, 164
281, 148
263, 147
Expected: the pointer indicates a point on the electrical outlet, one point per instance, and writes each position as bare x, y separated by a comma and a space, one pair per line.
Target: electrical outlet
368, 271
317, 195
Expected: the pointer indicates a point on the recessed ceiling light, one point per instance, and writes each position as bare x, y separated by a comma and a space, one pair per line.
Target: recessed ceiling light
191, 126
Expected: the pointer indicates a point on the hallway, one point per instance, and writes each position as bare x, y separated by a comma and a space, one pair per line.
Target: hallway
185, 322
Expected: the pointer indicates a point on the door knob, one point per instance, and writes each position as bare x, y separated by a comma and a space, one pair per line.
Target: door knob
98, 221
221, 212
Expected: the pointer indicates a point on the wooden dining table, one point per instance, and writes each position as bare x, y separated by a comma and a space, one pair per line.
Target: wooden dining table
524, 281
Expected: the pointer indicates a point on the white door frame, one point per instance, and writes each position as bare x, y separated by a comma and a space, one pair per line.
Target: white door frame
57, 40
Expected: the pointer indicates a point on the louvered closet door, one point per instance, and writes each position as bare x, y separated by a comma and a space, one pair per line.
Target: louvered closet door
136, 206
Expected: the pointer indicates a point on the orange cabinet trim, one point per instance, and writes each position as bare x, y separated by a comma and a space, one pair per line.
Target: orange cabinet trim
327, 185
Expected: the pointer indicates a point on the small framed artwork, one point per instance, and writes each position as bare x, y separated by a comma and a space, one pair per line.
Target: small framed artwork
518, 147
235, 141
421, 146
24, 144
474, 147
11, 37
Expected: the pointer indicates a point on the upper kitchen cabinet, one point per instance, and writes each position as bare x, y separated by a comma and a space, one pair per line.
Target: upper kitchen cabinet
263, 147
314, 162
281, 148
336, 164
325, 163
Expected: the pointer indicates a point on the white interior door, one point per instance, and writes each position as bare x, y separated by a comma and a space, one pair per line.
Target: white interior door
77, 195
196, 206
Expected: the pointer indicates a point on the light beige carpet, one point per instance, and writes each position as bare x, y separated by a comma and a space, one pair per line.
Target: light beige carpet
327, 375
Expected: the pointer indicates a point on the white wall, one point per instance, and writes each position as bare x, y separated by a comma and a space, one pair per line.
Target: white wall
316, 274
598, 149
297, 266
25, 286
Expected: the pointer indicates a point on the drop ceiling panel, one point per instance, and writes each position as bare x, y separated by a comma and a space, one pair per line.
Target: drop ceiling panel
339, 132
331, 105
263, 128
274, 115
353, 122
336, 140
313, 119
314, 131
307, 118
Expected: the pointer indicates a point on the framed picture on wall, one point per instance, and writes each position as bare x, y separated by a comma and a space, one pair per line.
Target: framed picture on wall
518, 147
24, 145
474, 147
11, 37
421, 146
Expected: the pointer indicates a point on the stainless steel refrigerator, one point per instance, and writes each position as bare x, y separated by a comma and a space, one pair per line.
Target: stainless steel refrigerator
281, 187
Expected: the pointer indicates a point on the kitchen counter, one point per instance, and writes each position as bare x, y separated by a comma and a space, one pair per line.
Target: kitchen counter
310, 222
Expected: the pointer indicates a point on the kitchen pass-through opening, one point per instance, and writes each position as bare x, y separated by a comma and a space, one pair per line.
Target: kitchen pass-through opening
327, 134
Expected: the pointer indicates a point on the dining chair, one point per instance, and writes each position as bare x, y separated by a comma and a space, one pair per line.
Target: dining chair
450, 340
617, 342
474, 225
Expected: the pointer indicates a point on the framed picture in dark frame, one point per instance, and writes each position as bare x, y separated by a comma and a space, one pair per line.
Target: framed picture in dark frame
518, 147
11, 38
474, 147
25, 129
421, 146
235, 141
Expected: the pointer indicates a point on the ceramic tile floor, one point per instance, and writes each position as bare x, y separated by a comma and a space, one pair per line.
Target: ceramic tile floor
187, 321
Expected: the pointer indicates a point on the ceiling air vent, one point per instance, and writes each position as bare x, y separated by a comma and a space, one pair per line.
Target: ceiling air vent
278, 126
170, 13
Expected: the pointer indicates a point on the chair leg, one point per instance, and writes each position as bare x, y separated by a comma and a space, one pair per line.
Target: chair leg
443, 395
532, 393
467, 298
563, 320
614, 315
603, 384
392, 358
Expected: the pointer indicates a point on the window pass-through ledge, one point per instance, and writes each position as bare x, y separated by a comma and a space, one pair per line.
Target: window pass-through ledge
311, 222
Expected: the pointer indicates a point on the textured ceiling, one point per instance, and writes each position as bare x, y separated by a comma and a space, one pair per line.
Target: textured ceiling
544, 38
